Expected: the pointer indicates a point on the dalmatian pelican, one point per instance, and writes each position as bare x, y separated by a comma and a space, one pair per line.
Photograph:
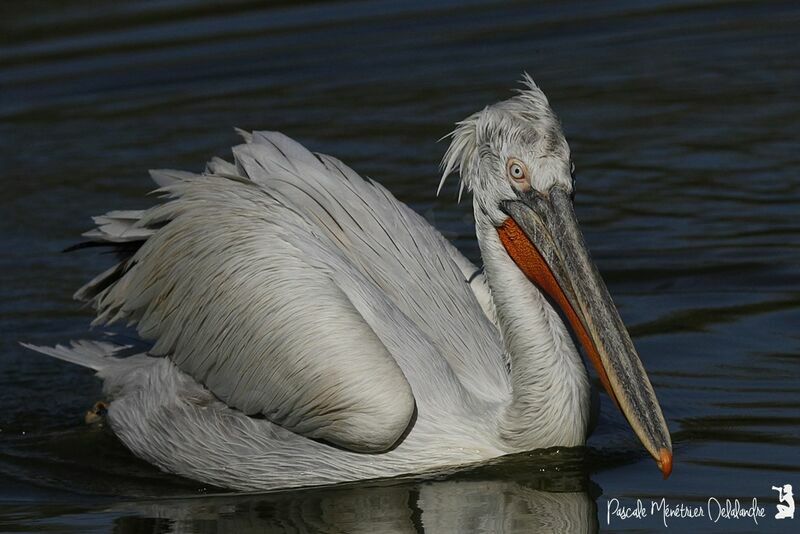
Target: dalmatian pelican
304, 327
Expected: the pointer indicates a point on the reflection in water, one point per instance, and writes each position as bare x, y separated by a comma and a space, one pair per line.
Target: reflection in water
544, 490
448, 506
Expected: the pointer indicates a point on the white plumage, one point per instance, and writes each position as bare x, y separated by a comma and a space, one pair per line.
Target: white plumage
308, 328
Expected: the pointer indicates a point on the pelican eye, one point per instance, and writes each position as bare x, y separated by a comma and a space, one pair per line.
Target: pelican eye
517, 171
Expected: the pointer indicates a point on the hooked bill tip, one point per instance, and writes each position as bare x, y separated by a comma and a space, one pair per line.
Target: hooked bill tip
665, 462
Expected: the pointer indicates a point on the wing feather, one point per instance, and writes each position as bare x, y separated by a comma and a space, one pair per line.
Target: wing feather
221, 292
283, 282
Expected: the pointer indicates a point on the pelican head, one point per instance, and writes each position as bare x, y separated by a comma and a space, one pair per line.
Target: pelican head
514, 158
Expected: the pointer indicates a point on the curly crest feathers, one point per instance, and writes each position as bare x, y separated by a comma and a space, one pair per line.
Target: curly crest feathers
463, 155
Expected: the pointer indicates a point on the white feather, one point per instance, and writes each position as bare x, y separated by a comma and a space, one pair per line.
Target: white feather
285, 285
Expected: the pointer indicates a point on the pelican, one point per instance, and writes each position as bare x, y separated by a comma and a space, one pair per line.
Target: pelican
304, 327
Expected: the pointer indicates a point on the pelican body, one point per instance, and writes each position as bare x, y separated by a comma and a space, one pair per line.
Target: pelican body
304, 327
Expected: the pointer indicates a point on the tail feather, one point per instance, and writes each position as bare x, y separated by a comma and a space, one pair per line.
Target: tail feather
92, 354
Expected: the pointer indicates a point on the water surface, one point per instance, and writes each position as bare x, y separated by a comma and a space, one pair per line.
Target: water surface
683, 119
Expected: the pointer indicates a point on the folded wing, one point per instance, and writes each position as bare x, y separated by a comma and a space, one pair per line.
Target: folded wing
246, 278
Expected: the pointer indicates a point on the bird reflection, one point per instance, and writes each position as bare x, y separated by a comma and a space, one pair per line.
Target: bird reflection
432, 507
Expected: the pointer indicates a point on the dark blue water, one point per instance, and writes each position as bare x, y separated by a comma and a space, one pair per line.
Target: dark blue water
683, 118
